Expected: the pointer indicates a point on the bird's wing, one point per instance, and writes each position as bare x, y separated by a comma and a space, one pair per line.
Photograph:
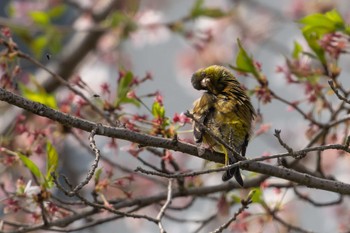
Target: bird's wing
202, 112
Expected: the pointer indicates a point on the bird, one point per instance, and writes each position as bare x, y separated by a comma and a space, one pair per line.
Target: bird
226, 111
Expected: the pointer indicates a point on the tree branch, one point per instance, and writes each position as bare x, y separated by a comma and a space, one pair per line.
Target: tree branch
147, 140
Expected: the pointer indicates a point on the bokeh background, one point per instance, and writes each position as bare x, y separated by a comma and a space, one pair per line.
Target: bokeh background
267, 29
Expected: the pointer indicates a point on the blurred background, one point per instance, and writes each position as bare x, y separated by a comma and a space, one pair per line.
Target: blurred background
95, 40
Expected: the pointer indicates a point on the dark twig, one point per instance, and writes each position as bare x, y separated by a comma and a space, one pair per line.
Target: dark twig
111, 162
295, 154
172, 162
165, 206
315, 203
287, 225
245, 203
94, 165
205, 222
144, 162
331, 84
113, 210
65, 83
307, 117
65, 119
277, 134
319, 158
43, 213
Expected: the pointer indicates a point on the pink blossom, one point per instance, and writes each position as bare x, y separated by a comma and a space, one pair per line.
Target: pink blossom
150, 29
263, 129
181, 118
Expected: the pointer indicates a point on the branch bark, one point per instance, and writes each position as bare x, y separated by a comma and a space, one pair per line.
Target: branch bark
152, 141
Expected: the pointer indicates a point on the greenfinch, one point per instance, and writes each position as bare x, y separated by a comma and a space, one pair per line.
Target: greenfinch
226, 111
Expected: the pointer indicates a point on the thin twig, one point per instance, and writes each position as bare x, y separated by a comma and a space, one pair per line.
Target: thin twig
165, 206
111, 162
245, 203
315, 203
331, 84
295, 154
277, 97
205, 222
277, 134
153, 141
286, 224
67, 84
91, 171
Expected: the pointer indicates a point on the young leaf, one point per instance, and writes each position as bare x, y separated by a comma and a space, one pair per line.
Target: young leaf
336, 18
195, 12
257, 195
158, 110
51, 162
33, 168
40, 96
315, 26
313, 41
97, 175
40, 17
244, 63
297, 50
199, 10
56, 11
317, 20
38, 44
212, 12
124, 86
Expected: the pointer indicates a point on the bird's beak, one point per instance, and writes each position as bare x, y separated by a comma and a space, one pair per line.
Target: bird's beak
205, 82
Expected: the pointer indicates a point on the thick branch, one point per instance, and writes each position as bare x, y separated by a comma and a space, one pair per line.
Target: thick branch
147, 140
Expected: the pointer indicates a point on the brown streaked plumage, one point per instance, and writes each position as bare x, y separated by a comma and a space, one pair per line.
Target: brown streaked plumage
226, 110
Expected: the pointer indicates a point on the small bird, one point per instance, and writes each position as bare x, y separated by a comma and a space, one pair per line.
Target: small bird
224, 109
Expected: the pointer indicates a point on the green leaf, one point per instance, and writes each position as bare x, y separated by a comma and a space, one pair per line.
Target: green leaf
39, 96
212, 12
313, 41
54, 40
318, 20
51, 163
33, 168
124, 86
126, 100
297, 50
197, 7
244, 63
38, 45
317, 25
98, 175
257, 195
235, 198
40, 17
158, 110
116, 19
335, 17
56, 11
10, 10
321, 24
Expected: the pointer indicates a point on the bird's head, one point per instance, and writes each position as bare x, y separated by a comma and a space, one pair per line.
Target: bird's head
213, 79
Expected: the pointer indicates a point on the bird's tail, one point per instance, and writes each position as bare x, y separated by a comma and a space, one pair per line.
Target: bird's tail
233, 172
